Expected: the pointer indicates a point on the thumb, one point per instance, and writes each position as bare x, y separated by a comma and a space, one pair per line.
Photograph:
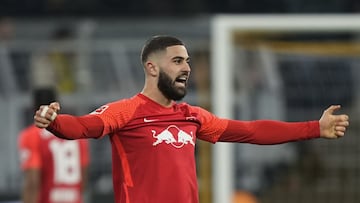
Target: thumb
55, 106
332, 109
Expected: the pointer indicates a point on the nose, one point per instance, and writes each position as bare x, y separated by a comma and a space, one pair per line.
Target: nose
187, 68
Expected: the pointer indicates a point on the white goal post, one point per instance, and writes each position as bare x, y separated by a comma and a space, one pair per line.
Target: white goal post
222, 65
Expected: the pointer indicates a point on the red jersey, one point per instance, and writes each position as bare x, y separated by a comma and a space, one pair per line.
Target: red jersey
153, 150
153, 147
60, 162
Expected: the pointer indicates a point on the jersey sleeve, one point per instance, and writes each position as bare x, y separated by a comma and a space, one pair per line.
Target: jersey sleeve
76, 127
266, 132
115, 115
212, 127
29, 150
103, 121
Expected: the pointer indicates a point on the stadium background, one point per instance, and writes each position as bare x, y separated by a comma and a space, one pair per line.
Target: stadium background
104, 39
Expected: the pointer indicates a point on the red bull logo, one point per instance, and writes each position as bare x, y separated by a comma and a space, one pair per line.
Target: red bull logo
174, 136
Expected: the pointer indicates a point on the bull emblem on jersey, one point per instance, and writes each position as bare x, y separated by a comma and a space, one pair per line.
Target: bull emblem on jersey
168, 137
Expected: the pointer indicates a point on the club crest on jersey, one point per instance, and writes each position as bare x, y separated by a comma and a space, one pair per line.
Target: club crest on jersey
100, 110
174, 136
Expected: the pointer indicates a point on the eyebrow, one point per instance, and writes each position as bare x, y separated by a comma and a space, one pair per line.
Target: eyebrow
182, 58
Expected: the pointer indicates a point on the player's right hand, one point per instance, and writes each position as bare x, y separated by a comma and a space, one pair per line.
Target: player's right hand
46, 114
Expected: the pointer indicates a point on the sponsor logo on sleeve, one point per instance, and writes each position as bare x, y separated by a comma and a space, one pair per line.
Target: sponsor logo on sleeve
100, 110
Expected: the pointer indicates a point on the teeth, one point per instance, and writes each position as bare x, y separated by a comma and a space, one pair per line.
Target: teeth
181, 80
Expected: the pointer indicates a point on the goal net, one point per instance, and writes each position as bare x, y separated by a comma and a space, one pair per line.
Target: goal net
291, 68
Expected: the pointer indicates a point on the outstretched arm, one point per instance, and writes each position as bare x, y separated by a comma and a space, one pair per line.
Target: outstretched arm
333, 126
67, 126
275, 132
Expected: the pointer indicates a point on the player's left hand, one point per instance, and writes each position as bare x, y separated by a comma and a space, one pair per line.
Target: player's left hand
333, 126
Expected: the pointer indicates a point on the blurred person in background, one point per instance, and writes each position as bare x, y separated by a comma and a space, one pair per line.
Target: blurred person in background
7, 84
55, 170
153, 136
6, 29
55, 66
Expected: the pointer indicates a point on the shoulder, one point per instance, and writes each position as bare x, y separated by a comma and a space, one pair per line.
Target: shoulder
30, 131
199, 112
119, 105
29, 136
133, 101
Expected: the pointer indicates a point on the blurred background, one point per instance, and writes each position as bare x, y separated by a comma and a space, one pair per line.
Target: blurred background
90, 51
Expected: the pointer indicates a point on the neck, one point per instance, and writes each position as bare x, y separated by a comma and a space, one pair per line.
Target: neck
157, 96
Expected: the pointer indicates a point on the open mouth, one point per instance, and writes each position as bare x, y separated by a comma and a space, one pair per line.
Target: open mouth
182, 80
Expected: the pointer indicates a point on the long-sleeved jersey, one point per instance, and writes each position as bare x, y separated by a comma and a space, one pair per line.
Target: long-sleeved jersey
153, 146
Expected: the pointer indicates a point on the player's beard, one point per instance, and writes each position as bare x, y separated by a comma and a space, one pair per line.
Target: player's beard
167, 86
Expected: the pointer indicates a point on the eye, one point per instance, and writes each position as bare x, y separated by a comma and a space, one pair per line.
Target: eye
177, 61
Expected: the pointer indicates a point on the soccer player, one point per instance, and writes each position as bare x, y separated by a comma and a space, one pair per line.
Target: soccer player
153, 137
54, 169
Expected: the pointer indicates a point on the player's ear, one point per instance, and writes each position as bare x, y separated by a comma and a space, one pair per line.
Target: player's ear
151, 68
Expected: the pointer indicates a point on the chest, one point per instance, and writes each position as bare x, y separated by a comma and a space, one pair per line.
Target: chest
172, 130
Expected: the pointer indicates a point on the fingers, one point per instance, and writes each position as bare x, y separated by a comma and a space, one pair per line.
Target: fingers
44, 110
342, 123
341, 118
340, 126
41, 122
48, 113
55, 106
340, 133
53, 116
340, 129
45, 115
